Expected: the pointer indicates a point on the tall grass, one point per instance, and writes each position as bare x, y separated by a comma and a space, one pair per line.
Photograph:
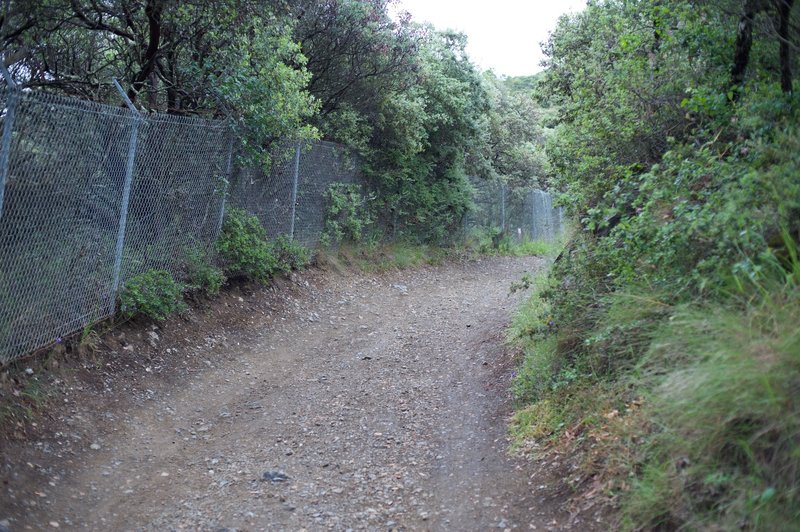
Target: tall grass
378, 257
492, 241
687, 411
724, 382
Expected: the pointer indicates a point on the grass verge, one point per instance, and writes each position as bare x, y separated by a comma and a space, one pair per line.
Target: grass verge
684, 415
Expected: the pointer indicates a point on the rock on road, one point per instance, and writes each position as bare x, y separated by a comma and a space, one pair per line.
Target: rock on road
380, 403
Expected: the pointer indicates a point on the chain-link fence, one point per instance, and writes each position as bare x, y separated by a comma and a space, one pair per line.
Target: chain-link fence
522, 212
290, 200
92, 195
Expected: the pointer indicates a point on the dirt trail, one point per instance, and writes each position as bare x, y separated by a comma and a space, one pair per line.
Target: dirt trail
383, 399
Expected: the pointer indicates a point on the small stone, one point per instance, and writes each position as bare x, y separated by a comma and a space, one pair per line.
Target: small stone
28, 371
54, 524
274, 476
95, 447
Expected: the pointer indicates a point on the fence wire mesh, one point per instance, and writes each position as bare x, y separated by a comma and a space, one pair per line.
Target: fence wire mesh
290, 199
60, 217
267, 194
69, 233
525, 213
92, 195
176, 194
322, 164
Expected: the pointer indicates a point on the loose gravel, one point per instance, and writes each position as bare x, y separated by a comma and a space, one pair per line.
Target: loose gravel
367, 403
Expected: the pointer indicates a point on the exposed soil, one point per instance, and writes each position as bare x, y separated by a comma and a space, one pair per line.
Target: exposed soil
384, 400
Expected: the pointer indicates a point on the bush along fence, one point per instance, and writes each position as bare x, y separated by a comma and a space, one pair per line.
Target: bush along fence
93, 195
523, 213
291, 199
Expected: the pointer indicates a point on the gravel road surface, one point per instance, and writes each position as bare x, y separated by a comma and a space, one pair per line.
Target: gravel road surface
373, 402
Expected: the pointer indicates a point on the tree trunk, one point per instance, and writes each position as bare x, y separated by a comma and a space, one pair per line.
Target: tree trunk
153, 10
784, 12
744, 41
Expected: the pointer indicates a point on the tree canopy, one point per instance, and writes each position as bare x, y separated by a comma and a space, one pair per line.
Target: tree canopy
404, 96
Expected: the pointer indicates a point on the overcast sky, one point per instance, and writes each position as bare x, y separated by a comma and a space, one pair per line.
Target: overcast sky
504, 35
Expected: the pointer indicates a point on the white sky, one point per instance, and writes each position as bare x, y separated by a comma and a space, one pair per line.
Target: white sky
504, 35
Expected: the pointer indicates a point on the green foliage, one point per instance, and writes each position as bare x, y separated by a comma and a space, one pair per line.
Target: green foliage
525, 282
493, 241
290, 256
724, 383
244, 249
674, 307
539, 248
264, 83
425, 137
708, 212
535, 375
515, 136
234, 58
154, 294
378, 257
201, 273
619, 73
407, 99
358, 52
347, 214
484, 240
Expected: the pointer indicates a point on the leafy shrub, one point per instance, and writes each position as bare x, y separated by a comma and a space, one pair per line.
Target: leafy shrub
481, 239
347, 215
243, 247
681, 187
201, 273
290, 256
154, 294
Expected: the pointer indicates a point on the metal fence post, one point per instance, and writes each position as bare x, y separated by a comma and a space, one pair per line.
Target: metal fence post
8, 126
228, 176
126, 191
294, 190
502, 205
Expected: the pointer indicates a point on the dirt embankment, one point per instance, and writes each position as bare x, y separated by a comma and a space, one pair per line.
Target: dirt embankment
330, 402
